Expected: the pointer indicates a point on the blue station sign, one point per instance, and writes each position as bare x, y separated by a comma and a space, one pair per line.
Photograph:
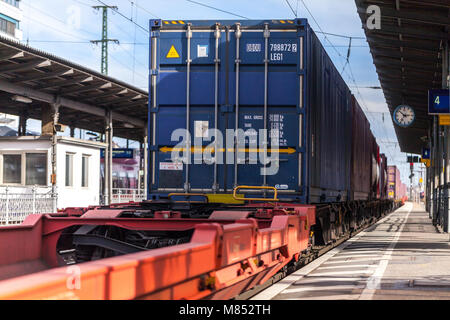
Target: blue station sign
426, 154
119, 153
438, 102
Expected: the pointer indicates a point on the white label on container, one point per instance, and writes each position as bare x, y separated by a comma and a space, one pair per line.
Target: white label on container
174, 166
283, 47
202, 51
282, 187
201, 129
276, 122
253, 47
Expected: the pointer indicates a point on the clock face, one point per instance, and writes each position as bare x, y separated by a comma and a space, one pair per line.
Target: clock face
404, 116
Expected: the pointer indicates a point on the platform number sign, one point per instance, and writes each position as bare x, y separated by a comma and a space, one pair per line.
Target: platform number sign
438, 102
426, 153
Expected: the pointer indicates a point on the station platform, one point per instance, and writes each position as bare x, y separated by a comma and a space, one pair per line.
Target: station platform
401, 257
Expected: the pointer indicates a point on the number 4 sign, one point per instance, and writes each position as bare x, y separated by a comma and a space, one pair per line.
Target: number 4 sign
438, 102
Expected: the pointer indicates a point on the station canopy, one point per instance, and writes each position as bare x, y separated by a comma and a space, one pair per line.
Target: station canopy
407, 53
30, 78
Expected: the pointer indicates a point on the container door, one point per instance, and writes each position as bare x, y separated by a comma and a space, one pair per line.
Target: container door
189, 95
268, 94
240, 80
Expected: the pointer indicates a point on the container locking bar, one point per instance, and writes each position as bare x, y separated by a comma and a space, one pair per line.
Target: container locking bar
188, 98
262, 188
266, 74
217, 32
238, 35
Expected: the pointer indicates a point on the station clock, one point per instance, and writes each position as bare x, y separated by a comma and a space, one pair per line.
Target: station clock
404, 116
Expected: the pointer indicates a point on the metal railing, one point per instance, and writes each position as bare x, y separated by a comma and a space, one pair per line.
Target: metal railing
128, 195
16, 203
440, 216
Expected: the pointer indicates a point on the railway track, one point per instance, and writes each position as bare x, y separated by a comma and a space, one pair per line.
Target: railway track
315, 253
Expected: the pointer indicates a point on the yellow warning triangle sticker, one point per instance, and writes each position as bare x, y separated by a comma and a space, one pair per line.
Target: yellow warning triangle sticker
172, 53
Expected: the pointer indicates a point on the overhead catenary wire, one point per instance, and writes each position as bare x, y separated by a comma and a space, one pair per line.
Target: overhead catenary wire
143, 9
55, 18
350, 75
84, 42
340, 35
348, 54
125, 17
294, 12
84, 31
326, 34
217, 9
292, 9
125, 49
128, 68
56, 30
134, 6
83, 3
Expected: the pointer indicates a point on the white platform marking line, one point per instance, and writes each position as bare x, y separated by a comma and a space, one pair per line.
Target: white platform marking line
310, 279
336, 273
283, 284
278, 287
374, 281
348, 256
365, 249
348, 252
330, 289
340, 261
344, 265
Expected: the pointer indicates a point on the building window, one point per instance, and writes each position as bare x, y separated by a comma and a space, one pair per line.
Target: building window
12, 168
7, 27
69, 169
85, 171
25, 169
14, 3
36, 169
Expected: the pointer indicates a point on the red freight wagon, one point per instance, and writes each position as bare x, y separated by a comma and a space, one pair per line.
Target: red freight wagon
384, 177
395, 190
361, 154
375, 169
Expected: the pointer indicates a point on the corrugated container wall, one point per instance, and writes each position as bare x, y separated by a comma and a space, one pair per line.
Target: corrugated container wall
247, 75
330, 110
361, 154
375, 168
384, 177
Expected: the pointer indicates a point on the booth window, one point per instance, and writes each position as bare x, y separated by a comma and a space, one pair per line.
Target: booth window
12, 168
69, 169
85, 171
36, 169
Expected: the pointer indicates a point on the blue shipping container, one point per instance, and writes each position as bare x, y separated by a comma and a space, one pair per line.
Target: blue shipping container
248, 76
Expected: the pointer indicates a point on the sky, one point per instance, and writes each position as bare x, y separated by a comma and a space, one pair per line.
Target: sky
65, 28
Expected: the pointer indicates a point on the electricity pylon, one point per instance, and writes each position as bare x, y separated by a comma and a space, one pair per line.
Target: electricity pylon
105, 40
